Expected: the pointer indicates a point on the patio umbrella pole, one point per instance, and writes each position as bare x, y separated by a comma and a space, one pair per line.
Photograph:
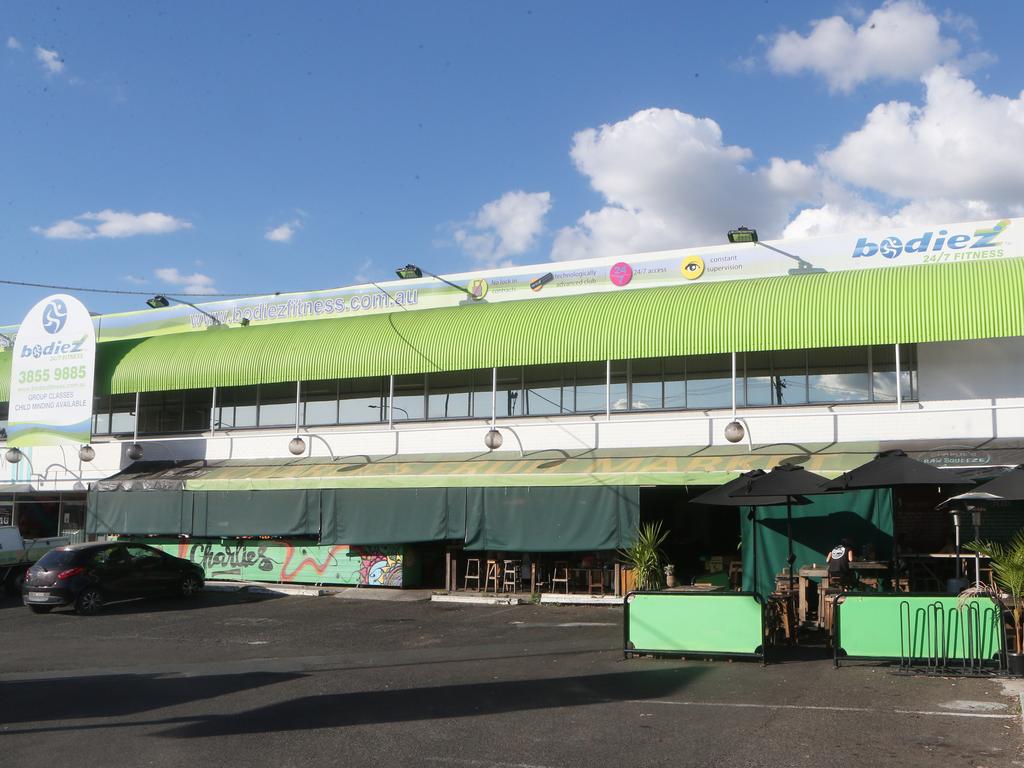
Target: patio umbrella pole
789, 535
753, 528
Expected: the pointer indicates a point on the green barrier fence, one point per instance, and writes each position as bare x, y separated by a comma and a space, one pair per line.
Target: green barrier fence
934, 631
702, 623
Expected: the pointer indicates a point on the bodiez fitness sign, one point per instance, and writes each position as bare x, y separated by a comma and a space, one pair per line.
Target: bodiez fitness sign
52, 375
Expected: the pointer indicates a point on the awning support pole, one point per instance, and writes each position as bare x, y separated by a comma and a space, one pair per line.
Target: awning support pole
608, 390
213, 413
733, 386
298, 396
494, 395
391, 401
135, 437
899, 381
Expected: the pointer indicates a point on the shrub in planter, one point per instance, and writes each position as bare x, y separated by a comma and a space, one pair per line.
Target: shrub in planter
646, 556
1007, 561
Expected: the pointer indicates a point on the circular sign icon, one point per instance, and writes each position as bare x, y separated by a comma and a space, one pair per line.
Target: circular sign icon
55, 315
891, 247
692, 267
478, 288
621, 273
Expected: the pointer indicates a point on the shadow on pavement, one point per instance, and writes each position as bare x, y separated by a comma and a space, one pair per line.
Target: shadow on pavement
441, 702
63, 699
157, 604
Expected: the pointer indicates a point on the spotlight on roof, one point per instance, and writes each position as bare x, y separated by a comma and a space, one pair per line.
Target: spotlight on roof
158, 302
409, 272
742, 235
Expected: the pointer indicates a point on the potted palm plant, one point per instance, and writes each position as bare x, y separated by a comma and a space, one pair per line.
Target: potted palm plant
646, 556
1007, 561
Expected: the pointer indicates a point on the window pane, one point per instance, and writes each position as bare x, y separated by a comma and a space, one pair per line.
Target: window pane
646, 384
675, 382
319, 402
409, 391
277, 404
236, 407
708, 382
449, 394
591, 379
776, 378
619, 395
122, 416
161, 412
482, 394
197, 409
542, 390
510, 400
838, 375
101, 415
883, 373
362, 400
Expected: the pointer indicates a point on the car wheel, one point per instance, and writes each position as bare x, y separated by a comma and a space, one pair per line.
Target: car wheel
189, 586
41, 608
89, 601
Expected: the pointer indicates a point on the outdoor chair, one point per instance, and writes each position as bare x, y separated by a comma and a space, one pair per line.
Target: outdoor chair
472, 573
595, 581
493, 576
510, 575
560, 575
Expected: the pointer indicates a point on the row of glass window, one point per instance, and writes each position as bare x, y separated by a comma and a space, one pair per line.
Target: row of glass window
798, 377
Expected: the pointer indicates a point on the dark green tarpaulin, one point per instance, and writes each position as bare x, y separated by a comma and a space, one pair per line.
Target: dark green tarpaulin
139, 513
365, 516
256, 513
544, 519
864, 517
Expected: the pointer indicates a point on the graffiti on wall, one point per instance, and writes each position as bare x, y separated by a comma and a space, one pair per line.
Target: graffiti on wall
290, 561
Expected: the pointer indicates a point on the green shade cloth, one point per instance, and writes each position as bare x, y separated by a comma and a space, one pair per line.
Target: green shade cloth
675, 622
552, 519
139, 513
256, 513
919, 627
368, 516
864, 517
836, 309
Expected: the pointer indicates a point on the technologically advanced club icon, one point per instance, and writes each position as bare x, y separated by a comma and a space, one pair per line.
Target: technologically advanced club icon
55, 315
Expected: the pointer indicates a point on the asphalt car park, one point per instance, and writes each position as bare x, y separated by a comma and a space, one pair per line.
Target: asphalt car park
238, 678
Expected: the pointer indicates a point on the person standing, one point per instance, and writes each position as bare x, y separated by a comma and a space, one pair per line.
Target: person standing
838, 561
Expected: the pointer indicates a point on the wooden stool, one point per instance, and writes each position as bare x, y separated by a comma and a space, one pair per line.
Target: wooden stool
736, 575
472, 573
560, 575
595, 583
493, 576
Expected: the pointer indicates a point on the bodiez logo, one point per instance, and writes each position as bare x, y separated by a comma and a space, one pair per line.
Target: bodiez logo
891, 247
55, 315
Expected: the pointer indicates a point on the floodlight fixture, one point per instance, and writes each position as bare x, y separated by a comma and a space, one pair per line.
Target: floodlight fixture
742, 235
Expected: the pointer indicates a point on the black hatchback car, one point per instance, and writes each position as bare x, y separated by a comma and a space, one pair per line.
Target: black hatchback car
89, 575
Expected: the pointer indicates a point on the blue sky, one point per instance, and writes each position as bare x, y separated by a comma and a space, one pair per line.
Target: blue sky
258, 147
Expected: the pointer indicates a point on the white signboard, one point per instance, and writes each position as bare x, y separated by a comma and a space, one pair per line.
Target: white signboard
52, 375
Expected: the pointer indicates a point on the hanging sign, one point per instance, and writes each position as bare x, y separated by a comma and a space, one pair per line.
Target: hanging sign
52, 375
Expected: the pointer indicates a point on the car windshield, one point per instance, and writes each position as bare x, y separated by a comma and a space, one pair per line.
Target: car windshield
57, 558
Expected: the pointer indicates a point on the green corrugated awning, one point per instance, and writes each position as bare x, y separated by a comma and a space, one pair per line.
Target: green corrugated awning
939, 302
5, 375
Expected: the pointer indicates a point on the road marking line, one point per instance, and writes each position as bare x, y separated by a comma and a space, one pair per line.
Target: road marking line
812, 708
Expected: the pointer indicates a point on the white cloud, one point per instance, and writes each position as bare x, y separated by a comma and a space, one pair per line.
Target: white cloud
364, 271
284, 232
959, 145
51, 61
113, 224
13, 43
134, 280
899, 41
504, 227
195, 283
669, 180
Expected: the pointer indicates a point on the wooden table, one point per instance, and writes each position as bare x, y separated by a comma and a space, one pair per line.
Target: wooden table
870, 568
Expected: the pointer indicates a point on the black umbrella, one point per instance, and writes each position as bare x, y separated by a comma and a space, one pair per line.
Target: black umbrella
1008, 487
788, 481
721, 496
892, 468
